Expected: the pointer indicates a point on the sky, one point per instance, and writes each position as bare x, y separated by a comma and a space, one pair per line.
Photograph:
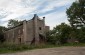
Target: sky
54, 11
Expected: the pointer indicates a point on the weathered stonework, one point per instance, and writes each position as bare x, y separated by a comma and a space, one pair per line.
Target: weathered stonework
28, 32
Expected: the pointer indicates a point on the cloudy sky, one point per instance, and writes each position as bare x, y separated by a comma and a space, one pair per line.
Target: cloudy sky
53, 10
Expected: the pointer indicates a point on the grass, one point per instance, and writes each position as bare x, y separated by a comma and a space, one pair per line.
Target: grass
74, 44
10, 48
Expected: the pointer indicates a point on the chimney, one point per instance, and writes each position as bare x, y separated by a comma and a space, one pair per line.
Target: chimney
44, 19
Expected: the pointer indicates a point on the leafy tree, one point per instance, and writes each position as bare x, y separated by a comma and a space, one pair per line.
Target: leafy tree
62, 32
59, 34
50, 38
2, 39
81, 35
76, 14
13, 23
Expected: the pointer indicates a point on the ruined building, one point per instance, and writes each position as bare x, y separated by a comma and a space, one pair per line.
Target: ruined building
28, 32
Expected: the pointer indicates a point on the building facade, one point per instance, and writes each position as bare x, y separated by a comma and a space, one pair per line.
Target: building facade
28, 32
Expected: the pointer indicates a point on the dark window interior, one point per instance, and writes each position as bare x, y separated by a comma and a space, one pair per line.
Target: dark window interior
41, 38
20, 40
39, 28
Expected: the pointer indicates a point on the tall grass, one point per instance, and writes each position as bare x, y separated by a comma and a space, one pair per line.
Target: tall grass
8, 48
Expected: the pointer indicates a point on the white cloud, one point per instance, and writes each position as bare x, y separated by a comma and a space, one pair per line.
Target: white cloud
54, 19
17, 13
17, 8
17, 0
56, 3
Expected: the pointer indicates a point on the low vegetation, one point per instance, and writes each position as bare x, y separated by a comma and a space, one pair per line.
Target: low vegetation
10, 48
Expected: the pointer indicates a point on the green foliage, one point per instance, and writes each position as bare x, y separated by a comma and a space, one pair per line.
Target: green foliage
13, 23
59, 34
62, 32
10, 48
76, 14
2, 39
81, 35
50, 38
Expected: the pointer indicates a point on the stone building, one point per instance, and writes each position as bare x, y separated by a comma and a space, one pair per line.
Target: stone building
28, 32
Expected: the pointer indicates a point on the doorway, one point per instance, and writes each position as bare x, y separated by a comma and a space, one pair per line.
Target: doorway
41, 38
19, 39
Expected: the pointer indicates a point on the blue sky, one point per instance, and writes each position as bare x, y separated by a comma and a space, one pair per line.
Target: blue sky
53, 10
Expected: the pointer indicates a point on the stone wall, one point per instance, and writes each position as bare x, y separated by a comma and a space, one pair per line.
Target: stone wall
30, 32
13, 35
47, 28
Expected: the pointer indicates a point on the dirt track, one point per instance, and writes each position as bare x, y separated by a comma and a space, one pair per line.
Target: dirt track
53, 51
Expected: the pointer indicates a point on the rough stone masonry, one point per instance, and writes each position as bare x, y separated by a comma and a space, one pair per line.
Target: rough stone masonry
28, 32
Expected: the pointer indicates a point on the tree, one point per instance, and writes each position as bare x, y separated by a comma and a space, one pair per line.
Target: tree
59, 34
62, 32
50, 38
76, 14
2, 39
13, 23
81, 35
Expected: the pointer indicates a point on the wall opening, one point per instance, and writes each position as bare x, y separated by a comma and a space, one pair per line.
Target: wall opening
41, 38
40, 28
19, 39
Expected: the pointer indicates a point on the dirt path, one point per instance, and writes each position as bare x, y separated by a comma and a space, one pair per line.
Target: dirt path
53, 51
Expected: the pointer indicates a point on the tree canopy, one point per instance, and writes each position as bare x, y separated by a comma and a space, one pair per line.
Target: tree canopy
2, 33
13, 23
60, 33
76, 14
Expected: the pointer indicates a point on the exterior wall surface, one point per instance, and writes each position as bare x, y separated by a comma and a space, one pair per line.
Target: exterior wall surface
13, 35
30, 32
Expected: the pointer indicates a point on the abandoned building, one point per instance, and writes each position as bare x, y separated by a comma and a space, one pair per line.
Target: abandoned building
28, 32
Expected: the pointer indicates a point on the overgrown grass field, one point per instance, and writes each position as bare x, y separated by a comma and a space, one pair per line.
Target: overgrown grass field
10, 48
